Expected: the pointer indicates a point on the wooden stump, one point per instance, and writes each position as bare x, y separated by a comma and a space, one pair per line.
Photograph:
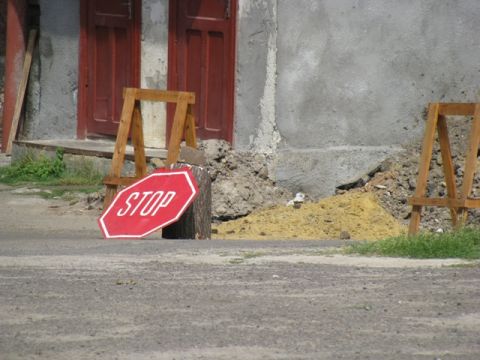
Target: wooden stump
196, 222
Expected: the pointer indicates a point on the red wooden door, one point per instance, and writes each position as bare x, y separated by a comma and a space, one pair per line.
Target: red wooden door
202, 60
112, 61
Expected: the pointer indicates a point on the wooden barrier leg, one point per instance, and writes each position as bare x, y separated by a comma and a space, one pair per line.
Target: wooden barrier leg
120, 144
190, 134
138, 143
470, 162
178, 128
424, 166
448, 169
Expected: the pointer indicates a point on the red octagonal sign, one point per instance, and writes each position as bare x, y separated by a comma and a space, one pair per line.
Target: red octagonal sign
151, 203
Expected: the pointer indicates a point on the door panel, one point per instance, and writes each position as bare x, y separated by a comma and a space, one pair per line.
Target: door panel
111, 62
202, 60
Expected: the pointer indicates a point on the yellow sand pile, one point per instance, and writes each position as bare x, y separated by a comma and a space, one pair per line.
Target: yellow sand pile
355, 215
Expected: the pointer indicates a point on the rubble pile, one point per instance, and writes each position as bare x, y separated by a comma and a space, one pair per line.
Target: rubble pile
394, 181
349, 211
240, 181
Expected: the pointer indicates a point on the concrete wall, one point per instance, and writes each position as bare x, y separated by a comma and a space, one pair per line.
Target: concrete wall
52, 94
255, 113
354, 77
329, 88
154, 68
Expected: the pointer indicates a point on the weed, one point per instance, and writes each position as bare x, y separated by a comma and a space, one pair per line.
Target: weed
49, 171
83, 172
464, 243
31, 167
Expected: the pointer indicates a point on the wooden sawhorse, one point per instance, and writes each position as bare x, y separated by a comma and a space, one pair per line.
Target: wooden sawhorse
457, 203
131, 118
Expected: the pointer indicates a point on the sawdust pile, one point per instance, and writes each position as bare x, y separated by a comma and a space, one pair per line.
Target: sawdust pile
355, 215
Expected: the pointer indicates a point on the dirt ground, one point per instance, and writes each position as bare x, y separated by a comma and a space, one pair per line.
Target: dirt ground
66, 293
84, 298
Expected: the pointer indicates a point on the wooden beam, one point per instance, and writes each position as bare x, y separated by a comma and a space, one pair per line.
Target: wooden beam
457, 109
21, 90
190, 132
439, 202
424, 166
120, 144
162, 95
178, 129
448, 169
138, 143
124, 181
470, 161
445, 202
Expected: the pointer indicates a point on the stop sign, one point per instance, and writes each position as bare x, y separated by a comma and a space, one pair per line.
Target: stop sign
151, 203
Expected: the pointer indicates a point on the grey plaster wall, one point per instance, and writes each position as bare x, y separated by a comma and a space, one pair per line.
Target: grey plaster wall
154, 65
52, 98
255, 127
354, 78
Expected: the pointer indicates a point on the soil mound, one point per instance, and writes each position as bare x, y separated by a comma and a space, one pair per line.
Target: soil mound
355, 215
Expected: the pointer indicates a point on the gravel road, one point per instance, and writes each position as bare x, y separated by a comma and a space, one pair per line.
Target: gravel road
65, 293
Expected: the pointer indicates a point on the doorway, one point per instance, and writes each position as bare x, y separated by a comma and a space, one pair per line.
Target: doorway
109, 61
202, 60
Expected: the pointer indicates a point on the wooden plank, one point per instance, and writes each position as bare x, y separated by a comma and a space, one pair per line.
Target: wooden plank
470, 161
163, 95
124, 181
177, 130
82, 150
190, 131
460, 109
424, 166
138, 143
120, 144
439, 202
445, 202
21, 90
472, 203
448, 169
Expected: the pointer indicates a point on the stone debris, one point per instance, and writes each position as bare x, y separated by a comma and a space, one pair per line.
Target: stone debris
297, 201
240, 181
395, 180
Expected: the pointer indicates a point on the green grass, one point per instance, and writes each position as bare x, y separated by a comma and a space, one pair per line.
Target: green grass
41, 169
464, 244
